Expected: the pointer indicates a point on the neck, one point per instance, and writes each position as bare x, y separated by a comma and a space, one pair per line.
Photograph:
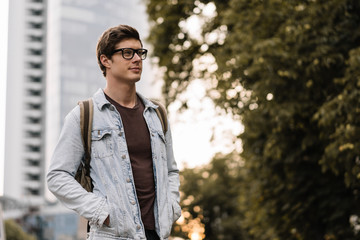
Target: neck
125, 94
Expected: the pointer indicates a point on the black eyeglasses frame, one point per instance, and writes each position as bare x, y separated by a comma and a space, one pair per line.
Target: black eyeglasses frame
141, 52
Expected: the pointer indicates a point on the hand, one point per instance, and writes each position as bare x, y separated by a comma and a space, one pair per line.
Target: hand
107, 221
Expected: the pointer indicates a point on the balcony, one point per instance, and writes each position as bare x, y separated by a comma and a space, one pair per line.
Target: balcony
33, 114
32, 127
34, 100
34, 45
38, 59
32, 141
35, 86
33, 155
33, 172
33, 19
34, 72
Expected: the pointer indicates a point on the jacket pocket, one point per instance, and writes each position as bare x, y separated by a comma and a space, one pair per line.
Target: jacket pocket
109, 231
102, 144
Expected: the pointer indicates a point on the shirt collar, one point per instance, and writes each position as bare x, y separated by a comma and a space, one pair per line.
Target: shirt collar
101, 101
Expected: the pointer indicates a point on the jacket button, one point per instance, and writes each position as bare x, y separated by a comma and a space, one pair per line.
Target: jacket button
112, 108
138, 227
133, 202
123, 156
128, 180
120, 134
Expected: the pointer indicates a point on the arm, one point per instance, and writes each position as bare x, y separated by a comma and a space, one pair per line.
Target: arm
173, 176
64, 164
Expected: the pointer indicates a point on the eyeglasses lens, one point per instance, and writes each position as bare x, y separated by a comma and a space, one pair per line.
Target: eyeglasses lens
128, 53
142, 53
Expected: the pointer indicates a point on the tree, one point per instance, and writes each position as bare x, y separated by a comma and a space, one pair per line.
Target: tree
290, 70
14, 232
210, 197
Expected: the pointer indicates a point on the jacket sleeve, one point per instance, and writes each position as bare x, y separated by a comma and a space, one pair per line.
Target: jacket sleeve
65, 161
173, 176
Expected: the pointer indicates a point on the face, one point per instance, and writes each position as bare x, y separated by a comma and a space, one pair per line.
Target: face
123, 70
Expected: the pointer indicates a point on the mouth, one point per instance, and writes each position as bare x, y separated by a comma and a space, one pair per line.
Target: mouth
135, 69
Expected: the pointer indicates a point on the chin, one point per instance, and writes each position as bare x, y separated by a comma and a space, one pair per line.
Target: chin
135, 79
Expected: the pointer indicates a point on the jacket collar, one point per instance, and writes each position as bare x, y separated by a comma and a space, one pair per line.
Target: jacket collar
101, 101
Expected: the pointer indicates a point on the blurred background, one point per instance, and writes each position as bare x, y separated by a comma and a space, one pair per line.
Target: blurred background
263, 100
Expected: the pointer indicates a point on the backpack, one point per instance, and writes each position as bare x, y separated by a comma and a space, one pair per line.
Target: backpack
86, 117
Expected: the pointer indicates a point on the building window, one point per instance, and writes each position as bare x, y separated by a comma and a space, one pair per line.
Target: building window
33, 191
35, 25
37, 52
33, 177
35, 12
33, 38
33, 163
33, 92
35, 79
33, 134
34, 106
33, 120
32, 148
35, 65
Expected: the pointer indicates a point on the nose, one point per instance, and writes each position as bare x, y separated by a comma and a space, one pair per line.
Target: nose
136, 57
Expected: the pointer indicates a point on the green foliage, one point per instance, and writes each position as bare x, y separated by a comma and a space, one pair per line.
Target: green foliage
290, 69
13, 231
212, 194
340, 124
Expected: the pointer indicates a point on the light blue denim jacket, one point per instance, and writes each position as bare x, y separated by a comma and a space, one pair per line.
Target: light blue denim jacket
114, 191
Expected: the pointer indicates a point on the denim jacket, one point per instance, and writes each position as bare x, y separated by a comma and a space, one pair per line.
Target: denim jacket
114, 191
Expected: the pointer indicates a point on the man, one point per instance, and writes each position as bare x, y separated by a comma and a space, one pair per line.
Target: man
133, 171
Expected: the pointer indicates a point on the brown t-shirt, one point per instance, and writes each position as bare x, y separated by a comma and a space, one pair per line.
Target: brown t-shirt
139, 148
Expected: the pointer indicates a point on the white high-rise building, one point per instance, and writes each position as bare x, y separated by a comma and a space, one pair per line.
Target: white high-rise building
51, 66
25, 101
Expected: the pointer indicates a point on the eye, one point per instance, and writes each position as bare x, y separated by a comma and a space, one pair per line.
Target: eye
128, 52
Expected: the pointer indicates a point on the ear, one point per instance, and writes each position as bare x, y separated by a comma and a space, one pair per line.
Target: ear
105, 61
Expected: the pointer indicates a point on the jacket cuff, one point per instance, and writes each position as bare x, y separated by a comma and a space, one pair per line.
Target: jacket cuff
101, 214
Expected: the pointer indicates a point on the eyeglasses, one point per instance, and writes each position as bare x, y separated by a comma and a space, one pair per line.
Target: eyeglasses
128, 53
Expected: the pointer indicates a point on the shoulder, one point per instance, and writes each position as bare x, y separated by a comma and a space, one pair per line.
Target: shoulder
150, 102
73, 115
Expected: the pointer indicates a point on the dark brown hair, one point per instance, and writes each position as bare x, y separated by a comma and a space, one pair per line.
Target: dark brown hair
111, 37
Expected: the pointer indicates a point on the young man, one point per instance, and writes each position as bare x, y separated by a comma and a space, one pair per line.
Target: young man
133, 171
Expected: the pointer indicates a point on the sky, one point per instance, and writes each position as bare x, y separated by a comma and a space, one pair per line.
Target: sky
200, 132
3, 53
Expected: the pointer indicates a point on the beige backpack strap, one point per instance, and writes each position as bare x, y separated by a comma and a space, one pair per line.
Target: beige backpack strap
86, 119
161, 112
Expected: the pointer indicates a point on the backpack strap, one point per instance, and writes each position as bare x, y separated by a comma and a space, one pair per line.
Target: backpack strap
161, 112
86, 119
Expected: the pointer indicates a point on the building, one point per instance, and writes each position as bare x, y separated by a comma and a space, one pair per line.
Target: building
26, 102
